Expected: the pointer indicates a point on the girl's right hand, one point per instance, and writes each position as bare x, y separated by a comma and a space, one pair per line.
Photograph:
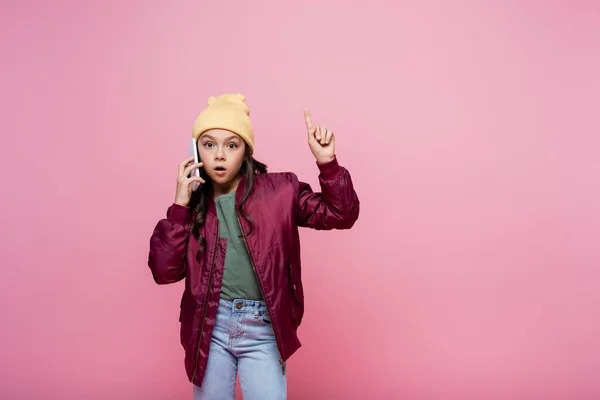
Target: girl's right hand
184, 183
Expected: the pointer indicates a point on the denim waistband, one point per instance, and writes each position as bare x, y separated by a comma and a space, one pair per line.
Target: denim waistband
243, 305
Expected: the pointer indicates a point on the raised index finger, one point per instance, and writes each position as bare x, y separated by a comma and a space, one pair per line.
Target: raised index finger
308, 120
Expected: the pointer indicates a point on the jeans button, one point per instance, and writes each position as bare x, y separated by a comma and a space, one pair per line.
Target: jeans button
238, 305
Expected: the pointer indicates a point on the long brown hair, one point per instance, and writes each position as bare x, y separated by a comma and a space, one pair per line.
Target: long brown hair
199, 200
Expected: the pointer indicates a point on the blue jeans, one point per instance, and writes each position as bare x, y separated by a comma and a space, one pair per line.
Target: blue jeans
243, 341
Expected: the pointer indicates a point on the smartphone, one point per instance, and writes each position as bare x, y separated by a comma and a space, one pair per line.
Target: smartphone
193, 151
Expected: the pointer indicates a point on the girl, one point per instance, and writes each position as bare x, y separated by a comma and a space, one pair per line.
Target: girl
235, 240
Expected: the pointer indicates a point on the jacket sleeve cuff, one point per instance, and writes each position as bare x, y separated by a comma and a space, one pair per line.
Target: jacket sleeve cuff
330, 170
179, 214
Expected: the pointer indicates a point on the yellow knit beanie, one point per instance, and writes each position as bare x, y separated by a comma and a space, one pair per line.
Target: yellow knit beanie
227, 111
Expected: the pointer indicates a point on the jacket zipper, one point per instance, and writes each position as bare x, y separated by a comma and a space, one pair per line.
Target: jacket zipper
281, 362
212, 266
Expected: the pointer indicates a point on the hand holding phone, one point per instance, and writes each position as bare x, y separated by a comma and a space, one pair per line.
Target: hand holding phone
189, 178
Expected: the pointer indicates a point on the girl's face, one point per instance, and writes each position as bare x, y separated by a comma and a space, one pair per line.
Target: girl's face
222, 153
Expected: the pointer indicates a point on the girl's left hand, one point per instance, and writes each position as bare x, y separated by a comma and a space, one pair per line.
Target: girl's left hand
320, 140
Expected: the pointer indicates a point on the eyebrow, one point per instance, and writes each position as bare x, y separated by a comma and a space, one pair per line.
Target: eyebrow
229, 138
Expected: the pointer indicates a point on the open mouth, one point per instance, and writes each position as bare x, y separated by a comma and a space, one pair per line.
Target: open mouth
220, 169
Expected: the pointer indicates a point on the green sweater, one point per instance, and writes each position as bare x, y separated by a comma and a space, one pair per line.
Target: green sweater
239, 280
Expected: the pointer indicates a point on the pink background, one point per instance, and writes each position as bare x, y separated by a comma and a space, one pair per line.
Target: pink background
472, 132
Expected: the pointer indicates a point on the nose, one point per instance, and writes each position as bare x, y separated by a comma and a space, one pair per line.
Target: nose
220, 154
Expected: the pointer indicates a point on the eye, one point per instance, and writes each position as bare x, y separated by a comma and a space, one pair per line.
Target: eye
208, 145
232, 146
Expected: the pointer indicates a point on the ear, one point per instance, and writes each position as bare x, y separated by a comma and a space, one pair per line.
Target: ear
211, 99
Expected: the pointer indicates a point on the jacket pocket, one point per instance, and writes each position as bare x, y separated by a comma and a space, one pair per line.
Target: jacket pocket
296, 283
186, 323
297, 306
181, 307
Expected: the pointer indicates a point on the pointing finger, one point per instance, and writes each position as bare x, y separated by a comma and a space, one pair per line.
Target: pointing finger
308, 120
